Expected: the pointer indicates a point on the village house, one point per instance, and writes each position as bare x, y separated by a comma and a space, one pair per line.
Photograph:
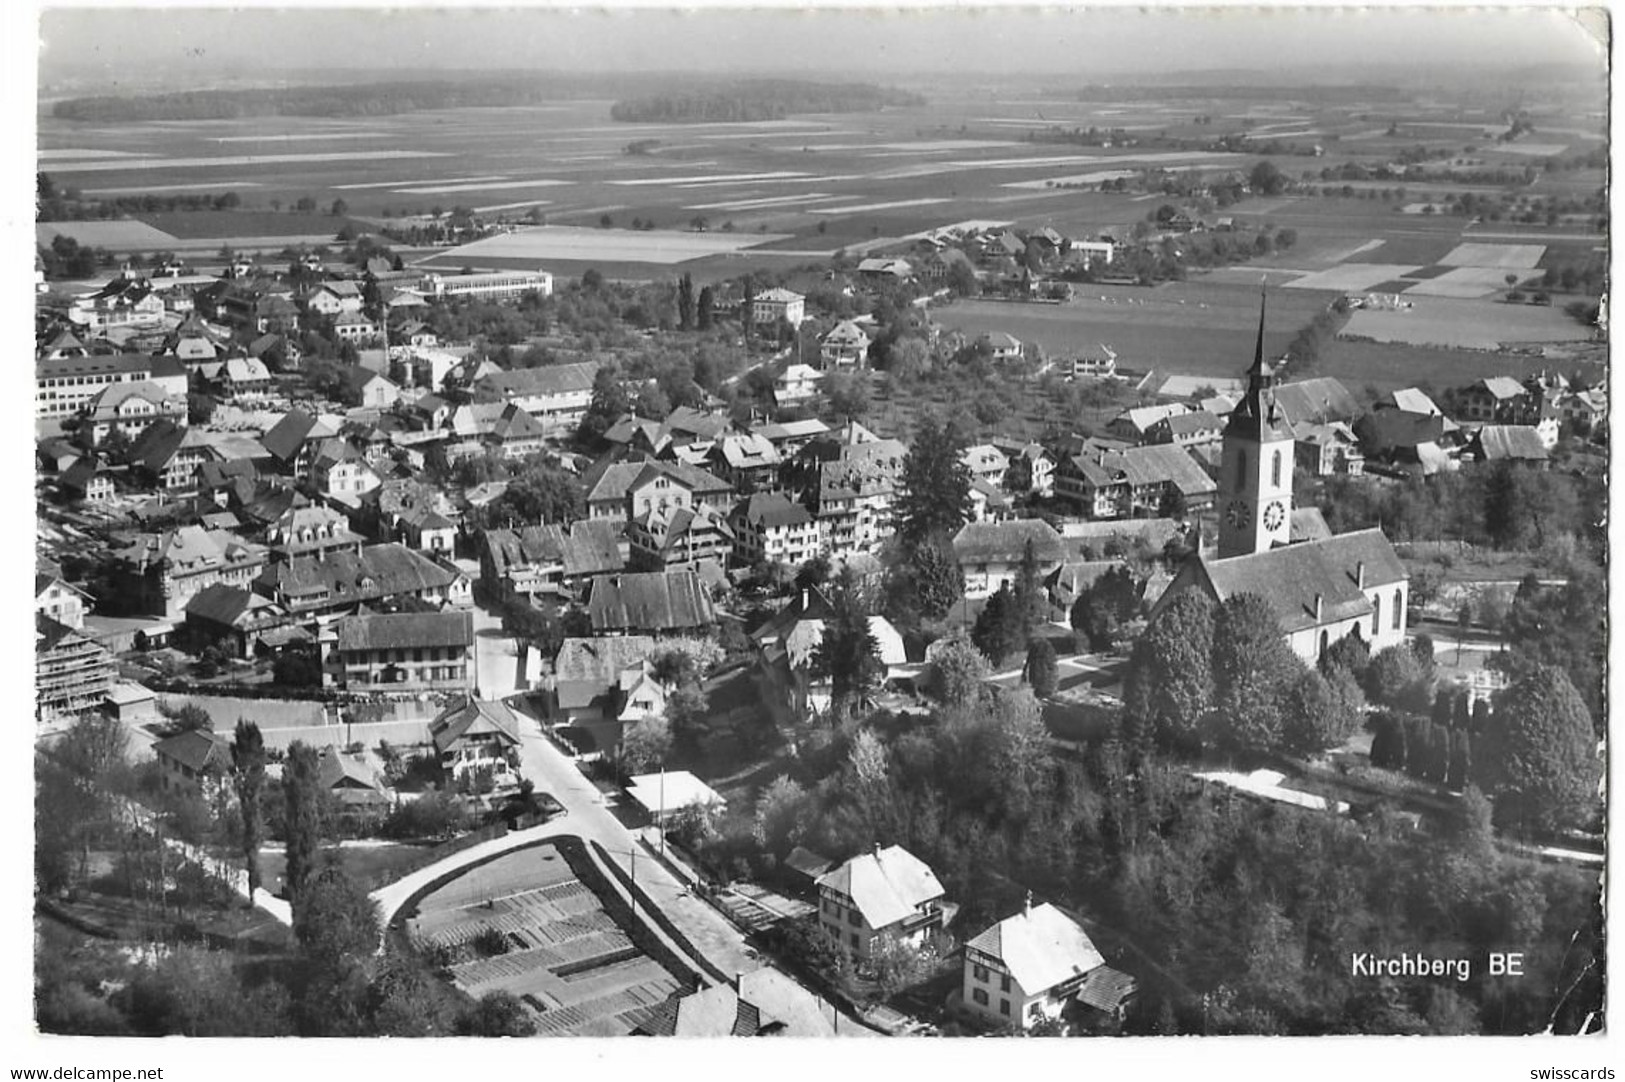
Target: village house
680, 538
1507, 443
354, 326
59, 599
159, 573
1004, 348
308, 530
747, 461
1031, 967
601, 686
295, 438
557, 396
1031, 468
1488, 399
478, 738
1328, 449
342, 581
1132, 481
887, 892
623, 490
406, 651
990, 553
334, 297
772, 528
195, 762
548, 561
1196, 429
845, 346
791, 436
650, 602
986, 463
427, 530
362, 387
126, 409
772, 305
1134, 425
988, 503
240, 621
64, 385
339, 470
797, 385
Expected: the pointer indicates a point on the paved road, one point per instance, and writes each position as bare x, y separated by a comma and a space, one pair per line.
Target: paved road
496, 657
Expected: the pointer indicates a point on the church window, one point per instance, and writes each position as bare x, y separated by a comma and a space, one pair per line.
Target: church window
1325, 641
1275, 470
1399, 601
1241, 467
1376, 614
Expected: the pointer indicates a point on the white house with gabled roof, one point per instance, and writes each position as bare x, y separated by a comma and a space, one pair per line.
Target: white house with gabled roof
1027, 968
884, 892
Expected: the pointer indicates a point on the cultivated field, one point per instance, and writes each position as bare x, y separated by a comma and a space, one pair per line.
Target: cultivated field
554, 242
567, 961
1465, 324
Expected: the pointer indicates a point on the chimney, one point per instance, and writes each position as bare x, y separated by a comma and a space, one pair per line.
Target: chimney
1359, 574
1319, 608
1027, 907
877, 850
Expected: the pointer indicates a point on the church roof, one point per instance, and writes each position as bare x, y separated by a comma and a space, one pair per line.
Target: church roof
1291, 577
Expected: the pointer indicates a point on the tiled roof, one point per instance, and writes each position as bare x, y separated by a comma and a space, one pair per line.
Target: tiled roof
1041, 947
650, 601
717, 1011
1315, 401
985, 542
197, 749
584, 669
285, 437
221, 604
1149, 465
378, 571
1291, 577
406, 631
886, 885
1106, 988
547, 380
474, 718
769, 510
1520, 442
586, 548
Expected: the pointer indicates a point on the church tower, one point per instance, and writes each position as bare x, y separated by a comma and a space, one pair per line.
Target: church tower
1255, 474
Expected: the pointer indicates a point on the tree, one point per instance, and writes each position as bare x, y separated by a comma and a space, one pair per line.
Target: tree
645, 745
961, 669
937, 579
1253, 672
848, 653
1540, 754
848, 394
1320, 713
248, 773
336, 925
814, 573
1000, 630
936, 483
199, 409
1172, 504
1108, 603
1041, 671
1393, 678
781, 815
703, 308
685, 302
189, 717
1032, 600
1267, 179
541, 494
301, 816
1169, 686
496, 1014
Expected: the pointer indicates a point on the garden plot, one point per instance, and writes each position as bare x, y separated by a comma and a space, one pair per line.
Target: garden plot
70, 154
1352, 277
560, 242
1502, 256
153, 189
566, 959
490, 186
1464, 324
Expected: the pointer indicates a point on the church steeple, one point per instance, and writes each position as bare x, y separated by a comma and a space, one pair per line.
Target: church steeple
1255, 476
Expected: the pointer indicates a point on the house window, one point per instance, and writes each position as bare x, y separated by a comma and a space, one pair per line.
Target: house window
1004, 1007
1004, 984
980, 996
1399, 605
854, 941
853, 918
981, 973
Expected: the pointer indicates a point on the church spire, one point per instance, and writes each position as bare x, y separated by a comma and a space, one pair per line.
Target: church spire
1261, 372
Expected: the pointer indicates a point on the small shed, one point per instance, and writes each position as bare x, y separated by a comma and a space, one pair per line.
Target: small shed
670, 791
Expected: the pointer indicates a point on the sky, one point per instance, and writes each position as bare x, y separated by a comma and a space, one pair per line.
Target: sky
933, 38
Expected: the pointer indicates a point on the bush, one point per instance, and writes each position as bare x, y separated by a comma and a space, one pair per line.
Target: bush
432, 815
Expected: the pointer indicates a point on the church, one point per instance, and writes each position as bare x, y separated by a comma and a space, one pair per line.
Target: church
1322, 586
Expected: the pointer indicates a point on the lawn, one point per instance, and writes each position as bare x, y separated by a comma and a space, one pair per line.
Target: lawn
1389, 365
1466, 324
364, 864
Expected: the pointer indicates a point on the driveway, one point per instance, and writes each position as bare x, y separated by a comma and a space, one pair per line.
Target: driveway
496, 657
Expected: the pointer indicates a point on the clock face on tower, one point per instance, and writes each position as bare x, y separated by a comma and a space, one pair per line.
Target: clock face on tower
1236, 513
1274, 515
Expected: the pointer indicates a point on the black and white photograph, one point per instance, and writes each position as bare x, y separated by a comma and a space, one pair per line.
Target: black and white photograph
822, 522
